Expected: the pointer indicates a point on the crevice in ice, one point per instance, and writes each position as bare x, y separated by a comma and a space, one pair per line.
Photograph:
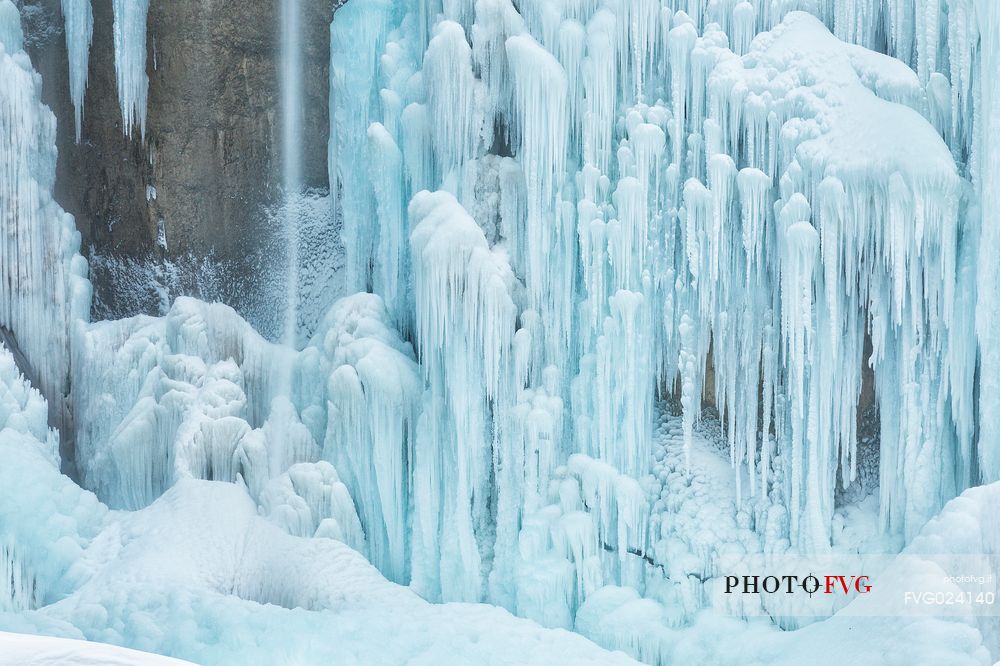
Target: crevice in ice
20, 590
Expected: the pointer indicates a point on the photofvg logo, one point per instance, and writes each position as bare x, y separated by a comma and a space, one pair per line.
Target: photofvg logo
828, 584
854, 584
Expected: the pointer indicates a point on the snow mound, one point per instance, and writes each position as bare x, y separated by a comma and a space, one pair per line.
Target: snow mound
43, 651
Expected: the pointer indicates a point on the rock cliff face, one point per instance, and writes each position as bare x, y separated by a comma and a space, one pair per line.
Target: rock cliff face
209, 166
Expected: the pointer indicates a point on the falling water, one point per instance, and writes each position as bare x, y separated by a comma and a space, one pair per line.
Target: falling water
291, 140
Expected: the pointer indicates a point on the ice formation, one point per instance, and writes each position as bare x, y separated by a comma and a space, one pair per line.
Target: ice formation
188, 394
792, 169
44, 291
987, 180
360, 390
78, 18
564, 214
130, 62
729, 198
73, 567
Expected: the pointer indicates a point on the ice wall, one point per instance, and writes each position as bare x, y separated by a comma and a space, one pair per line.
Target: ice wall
44, 289
564, 211
657, 189
987, 152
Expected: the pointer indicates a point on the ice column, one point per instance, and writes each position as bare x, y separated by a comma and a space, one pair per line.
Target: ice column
130, 62
44, 289
357, 37
465, 326
988, 307
361, 390
78, 18
542, 114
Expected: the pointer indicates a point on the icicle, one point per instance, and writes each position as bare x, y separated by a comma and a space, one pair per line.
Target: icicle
799, 255
78, 18
636, 39
392, 260
465, 331
357, 35
540, 88
744, 27
455, 97
130, 62
988, 278
44, 289
600, 86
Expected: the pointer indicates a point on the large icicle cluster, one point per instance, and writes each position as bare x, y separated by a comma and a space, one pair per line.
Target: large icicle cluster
34, 571
201, 555
359, 394
863, 237
161, 399
669, 198
465, 324
43, 290
987, 178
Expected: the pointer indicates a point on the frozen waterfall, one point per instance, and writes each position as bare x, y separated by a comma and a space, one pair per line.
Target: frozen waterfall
637, 289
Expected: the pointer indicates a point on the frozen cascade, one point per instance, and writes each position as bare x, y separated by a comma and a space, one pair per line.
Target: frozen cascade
563, 213
78, 17
44, 288
988, 280
465, 325
82, 571
744, 218
130, 62
357, 38
360, 392
179, 396
199, 394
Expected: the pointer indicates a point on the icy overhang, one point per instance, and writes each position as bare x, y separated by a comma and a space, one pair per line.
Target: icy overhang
847, 112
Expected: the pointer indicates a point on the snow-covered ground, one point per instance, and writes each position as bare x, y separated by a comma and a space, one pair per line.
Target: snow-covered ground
26, 650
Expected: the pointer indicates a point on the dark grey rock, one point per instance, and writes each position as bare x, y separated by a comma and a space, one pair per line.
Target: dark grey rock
212, 146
